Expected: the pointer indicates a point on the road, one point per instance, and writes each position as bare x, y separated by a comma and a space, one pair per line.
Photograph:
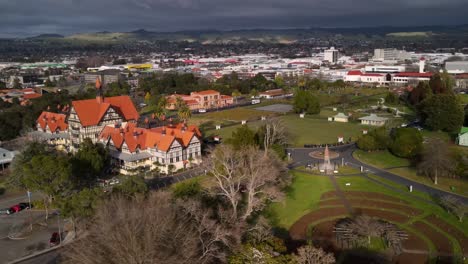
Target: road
301, 157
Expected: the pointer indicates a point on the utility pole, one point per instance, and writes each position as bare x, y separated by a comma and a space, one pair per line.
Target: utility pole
30, 216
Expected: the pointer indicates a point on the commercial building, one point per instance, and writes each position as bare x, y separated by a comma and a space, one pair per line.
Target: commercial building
390, 55
331, 55
456, 67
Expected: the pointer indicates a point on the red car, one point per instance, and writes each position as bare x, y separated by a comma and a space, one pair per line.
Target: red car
14, 209
54, 239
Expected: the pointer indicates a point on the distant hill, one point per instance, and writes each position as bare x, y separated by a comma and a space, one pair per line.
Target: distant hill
45, 36
266, 35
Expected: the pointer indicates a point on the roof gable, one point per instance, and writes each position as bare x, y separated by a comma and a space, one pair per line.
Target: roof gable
90, 112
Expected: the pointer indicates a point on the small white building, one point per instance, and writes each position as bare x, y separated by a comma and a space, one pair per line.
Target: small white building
6, 157
373, 120
340, 117
462, 139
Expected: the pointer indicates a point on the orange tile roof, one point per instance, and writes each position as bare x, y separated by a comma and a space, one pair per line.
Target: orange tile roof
135, 137
90, 112
31, 96
52, 120
206, 92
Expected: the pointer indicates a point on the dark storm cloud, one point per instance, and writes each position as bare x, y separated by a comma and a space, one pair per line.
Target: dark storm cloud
29, 17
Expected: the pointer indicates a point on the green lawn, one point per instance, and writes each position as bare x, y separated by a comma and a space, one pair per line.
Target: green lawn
226, 132
306, 190
380, 159
362, 184
237, 114
317, 130
302, 198
385, 160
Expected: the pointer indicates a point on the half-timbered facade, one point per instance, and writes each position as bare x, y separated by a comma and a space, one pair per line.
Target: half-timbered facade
165, 149
113, 122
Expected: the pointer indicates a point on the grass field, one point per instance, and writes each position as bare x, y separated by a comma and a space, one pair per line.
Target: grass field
385, 160
237, 114
317, 130
302, 198
380, 159
306, 190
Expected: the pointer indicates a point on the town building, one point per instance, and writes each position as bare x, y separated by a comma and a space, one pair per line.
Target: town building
88, 117
105, 77
275, 93
6, 157
390, 55
373, 120
166, 149
462, 138
340, 117
112, 121
331, 55
53, 128
456, 67
208, 99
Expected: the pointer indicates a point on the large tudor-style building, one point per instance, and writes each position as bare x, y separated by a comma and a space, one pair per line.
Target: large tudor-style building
113, 122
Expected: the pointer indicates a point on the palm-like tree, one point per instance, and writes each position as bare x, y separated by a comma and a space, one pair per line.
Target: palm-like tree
184, 112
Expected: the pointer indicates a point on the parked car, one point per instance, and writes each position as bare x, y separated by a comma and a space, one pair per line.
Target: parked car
4, 211
201, 110
14, 209
255, 101
25, 206
54, 239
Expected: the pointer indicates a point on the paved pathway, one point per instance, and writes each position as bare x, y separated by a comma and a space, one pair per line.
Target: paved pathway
341, 195
301, 157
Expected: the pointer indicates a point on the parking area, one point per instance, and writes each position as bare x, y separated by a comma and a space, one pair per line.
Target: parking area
278, 108
14, 243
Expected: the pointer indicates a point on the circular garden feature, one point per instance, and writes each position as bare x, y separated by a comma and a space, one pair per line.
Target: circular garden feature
389, 225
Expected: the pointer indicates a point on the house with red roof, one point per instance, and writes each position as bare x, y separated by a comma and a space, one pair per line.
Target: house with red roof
88, 117
112, 121
131, 147
53, 128
207, 99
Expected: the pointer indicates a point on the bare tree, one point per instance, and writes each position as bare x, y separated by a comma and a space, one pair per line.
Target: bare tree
246, 177
261, 179
215, 238
454, 205
436, 159
140, 231
224, 165
273, 132
311, 255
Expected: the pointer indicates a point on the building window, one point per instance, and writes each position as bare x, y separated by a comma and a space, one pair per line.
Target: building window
171, 160
177, 159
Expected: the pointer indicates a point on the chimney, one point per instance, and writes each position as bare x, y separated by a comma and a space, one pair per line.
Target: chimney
99, 98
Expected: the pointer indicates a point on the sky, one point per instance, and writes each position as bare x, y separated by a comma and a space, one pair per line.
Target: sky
22, 18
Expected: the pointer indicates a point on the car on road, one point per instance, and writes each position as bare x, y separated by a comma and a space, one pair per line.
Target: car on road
201, 110
25, 206
4, 211
14, 209
54, 239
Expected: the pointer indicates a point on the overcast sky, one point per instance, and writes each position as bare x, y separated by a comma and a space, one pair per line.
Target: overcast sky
31, 17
